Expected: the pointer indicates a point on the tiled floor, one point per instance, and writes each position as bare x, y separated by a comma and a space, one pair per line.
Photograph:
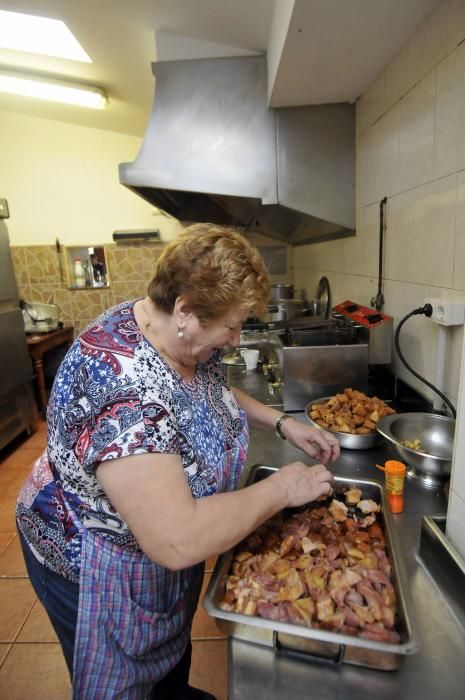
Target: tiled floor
31, 664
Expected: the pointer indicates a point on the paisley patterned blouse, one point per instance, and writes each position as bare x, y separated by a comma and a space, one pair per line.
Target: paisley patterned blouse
114, 396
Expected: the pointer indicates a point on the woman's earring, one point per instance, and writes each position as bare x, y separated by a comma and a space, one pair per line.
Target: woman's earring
180, 332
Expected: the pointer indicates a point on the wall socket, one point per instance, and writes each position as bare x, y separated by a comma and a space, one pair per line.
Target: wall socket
447, 313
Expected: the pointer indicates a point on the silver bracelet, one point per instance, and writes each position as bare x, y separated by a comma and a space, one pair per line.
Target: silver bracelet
278, 425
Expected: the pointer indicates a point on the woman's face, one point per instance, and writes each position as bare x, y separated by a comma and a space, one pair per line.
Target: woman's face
204, 340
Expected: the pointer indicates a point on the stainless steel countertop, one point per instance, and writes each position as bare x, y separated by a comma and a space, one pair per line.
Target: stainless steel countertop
436, 670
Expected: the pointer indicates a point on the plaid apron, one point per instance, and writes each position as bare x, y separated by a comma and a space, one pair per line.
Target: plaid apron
134, 621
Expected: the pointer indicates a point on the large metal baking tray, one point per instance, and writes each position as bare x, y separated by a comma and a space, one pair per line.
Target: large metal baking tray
315, 644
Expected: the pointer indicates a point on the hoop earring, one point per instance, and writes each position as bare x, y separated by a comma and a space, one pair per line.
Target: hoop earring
180, 332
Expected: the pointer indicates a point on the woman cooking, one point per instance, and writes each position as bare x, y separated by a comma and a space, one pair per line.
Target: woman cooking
146, 443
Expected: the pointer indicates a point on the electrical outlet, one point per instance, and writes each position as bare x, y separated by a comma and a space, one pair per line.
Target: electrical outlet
447, 313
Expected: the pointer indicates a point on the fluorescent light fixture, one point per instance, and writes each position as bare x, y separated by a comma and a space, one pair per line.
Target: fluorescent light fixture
51, 89
50, 37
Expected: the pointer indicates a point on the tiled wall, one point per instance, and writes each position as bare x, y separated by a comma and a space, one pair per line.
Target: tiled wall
411, 149
40, 278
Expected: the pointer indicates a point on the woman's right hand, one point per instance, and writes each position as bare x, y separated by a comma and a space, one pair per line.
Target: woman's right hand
302, 484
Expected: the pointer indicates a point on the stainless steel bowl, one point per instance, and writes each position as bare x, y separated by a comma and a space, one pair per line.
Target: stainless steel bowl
436, 435
347, 440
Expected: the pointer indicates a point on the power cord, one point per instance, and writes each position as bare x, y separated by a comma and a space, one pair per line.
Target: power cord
426, 310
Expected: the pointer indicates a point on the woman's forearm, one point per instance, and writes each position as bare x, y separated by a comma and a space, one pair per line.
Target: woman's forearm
258, 414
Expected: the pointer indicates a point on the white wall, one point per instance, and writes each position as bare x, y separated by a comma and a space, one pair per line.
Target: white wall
410, 148
61, 181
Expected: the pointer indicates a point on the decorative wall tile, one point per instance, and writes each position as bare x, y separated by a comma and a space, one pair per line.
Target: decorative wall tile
132, 262
18, 256
89, 303
129, 290
42, 264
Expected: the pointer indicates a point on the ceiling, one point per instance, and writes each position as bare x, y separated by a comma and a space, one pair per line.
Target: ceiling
318, 50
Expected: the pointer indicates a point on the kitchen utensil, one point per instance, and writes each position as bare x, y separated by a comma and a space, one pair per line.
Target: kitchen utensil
323, 298
282, 291
234, 364
320, 645
347, 440
436, 434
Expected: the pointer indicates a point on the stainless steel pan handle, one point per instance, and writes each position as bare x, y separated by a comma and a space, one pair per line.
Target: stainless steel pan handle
300, 655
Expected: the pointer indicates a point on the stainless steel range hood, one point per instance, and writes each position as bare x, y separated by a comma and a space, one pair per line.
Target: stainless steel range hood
214, 151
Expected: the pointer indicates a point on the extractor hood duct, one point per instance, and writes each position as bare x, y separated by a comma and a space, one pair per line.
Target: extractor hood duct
214, 151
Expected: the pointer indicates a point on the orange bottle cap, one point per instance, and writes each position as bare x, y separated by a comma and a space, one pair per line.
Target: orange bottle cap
392, 466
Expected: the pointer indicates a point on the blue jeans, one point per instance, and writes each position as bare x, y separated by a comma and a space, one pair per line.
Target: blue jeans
60, 598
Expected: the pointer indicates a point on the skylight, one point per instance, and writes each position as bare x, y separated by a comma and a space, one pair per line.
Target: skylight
50, 37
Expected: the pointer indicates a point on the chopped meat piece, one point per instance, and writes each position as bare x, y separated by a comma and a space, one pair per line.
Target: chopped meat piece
338, 510
368, 506
353, 496
321, 567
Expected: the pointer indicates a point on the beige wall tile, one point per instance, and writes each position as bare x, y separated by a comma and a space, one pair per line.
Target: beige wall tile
371, 223
449, 154
434, 233
365, 166
386, 148
371, 104
416, 134
399, 239
414, 339
459, 248
396, 81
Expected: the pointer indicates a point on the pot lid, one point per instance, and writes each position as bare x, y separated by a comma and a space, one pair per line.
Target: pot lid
323, 297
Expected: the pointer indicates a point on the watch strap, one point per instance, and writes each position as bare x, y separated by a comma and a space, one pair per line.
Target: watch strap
279, 423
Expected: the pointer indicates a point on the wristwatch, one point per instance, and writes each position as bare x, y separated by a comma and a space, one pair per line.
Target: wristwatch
278, 425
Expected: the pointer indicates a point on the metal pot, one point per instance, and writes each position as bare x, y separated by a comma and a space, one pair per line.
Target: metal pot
283, 310
282, 292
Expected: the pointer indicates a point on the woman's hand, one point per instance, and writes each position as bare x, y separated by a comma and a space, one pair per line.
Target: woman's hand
302, 484
316, 443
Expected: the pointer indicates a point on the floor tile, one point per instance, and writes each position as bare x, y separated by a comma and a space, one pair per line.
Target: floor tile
209, 667
7, 514
204, 626
12, 561
16, 600
35, 671
37, 627
38, 437
5, 539
4, 649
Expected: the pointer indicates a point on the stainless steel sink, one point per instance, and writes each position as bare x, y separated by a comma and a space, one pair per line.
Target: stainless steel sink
443, 563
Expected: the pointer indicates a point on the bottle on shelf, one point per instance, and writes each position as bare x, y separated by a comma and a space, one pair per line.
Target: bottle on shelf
79, 274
